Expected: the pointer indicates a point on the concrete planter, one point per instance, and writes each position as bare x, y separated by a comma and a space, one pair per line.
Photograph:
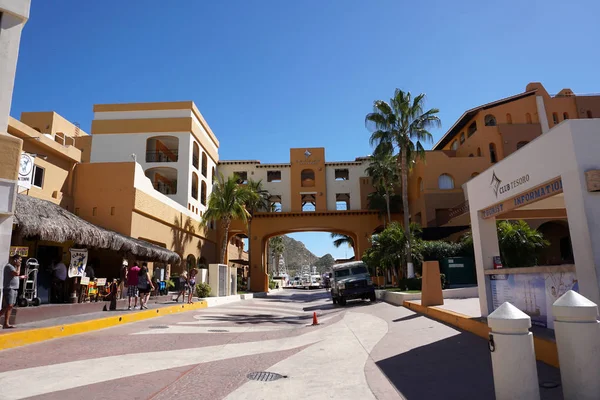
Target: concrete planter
398, 298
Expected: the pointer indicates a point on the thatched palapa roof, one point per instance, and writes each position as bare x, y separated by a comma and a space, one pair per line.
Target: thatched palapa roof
48, 221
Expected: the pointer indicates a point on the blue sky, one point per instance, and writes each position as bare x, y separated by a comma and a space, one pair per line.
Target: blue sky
269, 75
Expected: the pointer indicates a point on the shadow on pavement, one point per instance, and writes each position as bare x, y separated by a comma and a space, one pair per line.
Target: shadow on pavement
455, 368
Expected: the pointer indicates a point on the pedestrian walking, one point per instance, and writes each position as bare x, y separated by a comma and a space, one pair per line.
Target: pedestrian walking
10, 288
183, 283
122, 283
145, 286
132, 282
192, 284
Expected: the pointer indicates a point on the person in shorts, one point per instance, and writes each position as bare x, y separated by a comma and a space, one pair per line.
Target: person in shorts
145, 286
10, 288
192, 284
132, 282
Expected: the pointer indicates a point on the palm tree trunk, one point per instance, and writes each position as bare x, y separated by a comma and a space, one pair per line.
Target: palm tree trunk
404, 173
226, 224
387, 203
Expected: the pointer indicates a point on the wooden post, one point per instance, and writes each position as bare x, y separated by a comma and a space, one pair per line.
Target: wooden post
431, 287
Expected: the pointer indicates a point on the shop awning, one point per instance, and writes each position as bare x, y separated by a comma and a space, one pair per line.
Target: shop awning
240, 261
48, 221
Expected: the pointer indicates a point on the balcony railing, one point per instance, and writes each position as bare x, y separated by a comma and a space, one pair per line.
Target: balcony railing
159, 156
166, 188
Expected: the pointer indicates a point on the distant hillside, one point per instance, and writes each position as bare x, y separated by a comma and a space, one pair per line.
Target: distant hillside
296, 255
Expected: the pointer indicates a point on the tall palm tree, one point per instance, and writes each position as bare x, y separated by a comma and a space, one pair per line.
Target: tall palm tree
383, 172
402, 126
341, 239
277, 248
258, 200
226, 203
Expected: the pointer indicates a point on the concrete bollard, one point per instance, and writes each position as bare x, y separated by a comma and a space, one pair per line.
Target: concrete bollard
577, 331
513, 356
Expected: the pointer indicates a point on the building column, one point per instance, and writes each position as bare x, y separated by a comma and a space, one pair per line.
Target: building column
258, 275
361, 243
485, 243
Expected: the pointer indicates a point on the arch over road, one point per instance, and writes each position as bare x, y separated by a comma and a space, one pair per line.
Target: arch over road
359, 225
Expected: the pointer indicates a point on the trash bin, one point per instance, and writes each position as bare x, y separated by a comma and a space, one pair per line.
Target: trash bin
459, 271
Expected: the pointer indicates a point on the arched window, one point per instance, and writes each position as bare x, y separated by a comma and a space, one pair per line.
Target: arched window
472, 129
419, 186
454, 145
196, 156
195, 185
565, 115
521, 144
307, 178
479, 152
445, 182
508, 118
589, 114
555, 118
213, 175
204, 165
528, 118
493, 156
490, 120
462, 137
474, 174
203, 193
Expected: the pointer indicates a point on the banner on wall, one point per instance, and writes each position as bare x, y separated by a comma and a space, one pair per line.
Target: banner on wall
79, 259
533, 294
26, 170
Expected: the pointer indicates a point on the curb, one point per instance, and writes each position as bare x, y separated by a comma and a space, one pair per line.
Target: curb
545, 350
29, 336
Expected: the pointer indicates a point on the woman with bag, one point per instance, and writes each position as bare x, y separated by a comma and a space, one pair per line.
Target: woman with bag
145, 285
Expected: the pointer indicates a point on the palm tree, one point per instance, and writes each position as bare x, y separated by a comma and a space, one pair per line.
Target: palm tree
226, 203
258, 200
277, 247
402, 126
341, 239
382, 170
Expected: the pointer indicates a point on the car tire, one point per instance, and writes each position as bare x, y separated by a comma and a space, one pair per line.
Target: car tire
334, 300
342, 301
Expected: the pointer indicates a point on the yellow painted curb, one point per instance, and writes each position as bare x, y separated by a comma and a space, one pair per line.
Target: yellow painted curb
545, 350
22, 338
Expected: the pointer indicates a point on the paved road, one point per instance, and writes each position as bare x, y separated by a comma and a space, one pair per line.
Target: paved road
363, 351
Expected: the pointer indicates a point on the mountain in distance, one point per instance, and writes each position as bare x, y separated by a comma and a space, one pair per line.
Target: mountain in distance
296, 256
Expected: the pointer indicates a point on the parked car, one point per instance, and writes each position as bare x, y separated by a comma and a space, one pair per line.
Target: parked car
351, 281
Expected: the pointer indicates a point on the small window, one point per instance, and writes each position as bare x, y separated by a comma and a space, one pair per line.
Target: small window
342, 175
462, 138
342, 201
472, 129
565, 116
521, 144
555, 118
490, 120
275, 201
273, 176
308, 202
589, 114
479, 152
242, 177
445, 182
508, 118
307, 178
493, 156
204, 165
203, 193
94, 210
38, 176
195, 156
528, 118
112, 211
213, 175
454, 145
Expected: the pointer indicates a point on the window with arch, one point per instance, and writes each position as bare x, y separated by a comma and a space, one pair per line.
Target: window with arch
213, 175
203, 193
195, 185
555, 118
472, 129
565, 115
474, 174
445, 182
489, 120
307, 178
479, 152
196, 156
521, 144
589, 114
493, 156
204, 165
454, 145
508, 118
528, 118
462, 137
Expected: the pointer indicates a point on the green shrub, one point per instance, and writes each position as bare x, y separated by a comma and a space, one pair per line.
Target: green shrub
202, 290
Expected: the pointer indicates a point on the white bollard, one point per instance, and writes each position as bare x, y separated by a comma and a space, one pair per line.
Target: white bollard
577, 333
513, 357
